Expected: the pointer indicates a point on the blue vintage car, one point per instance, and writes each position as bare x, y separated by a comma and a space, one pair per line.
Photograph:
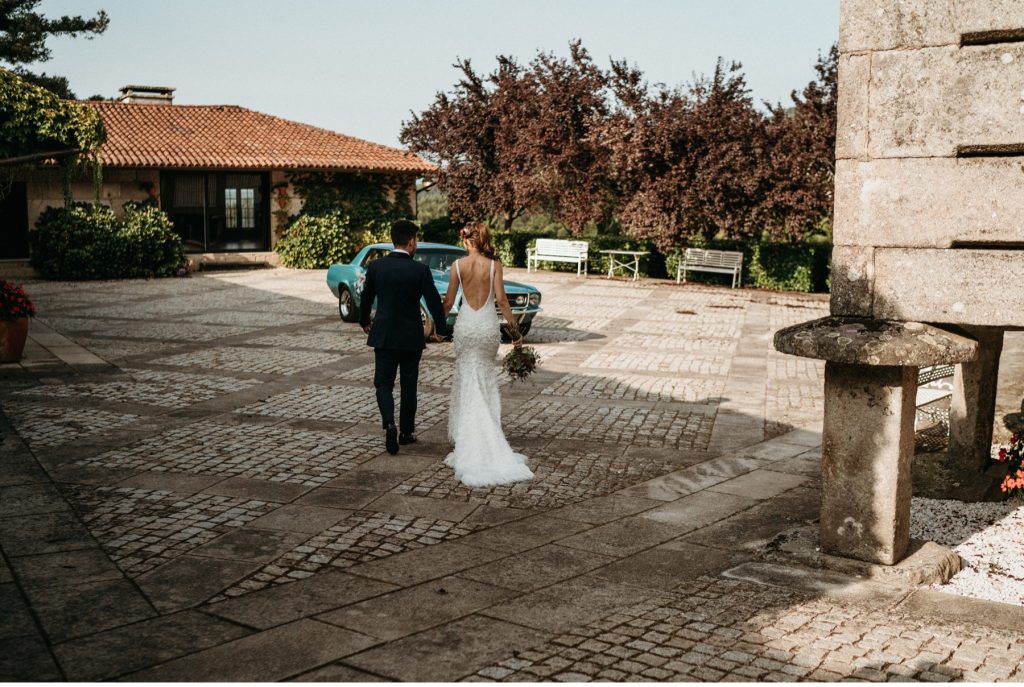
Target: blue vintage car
346, 282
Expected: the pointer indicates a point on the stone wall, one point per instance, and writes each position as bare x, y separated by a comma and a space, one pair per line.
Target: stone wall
44, 189
930, 155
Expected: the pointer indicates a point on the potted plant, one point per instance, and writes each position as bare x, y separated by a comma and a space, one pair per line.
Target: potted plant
15, 309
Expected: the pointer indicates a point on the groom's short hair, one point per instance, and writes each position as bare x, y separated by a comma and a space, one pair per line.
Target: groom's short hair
403, 231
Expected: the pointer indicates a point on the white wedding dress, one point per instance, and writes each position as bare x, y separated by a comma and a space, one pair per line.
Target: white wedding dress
482, 456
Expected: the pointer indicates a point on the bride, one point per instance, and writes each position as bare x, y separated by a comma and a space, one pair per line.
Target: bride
482, 456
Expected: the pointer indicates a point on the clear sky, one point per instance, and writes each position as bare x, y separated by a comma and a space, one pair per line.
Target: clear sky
361, 67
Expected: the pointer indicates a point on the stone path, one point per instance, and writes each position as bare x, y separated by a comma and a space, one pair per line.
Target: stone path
193, 487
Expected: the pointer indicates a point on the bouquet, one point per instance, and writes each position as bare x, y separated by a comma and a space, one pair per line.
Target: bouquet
14, 304
520, 363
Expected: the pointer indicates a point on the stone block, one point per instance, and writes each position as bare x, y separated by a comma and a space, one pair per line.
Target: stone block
965, 287
84, 609
867, 449
853, 279
852, 128
927, 203
449, 652
874, 342
285, 603
417, 608
992, 15
973, 405
926, 103
272, 655
891, 24
537, 568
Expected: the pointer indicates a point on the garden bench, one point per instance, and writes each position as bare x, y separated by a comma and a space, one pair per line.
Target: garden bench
558, 250
721, 261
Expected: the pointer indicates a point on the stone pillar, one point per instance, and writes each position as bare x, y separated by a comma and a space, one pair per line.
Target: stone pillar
867, 450
868, 436
973, 406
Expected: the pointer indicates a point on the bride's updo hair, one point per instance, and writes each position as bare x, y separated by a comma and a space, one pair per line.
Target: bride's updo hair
479, 235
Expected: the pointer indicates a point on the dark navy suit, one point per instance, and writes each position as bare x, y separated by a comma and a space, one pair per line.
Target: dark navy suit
398, 282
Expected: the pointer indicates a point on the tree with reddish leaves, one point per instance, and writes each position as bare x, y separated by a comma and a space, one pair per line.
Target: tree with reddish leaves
566, 104
470, 135
687, 162
801, 166
519, 139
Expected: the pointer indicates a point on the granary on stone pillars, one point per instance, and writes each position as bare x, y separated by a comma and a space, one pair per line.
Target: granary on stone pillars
928, 265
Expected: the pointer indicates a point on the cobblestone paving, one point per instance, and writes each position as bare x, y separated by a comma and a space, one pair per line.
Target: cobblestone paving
692, 343
114, 349
318, 341
240, 359
273, 453
44, 426
141, 529
341, 404
165, 389
361, 537
166, 331
436, 373
561, 478
713, 629
249, 319
613, 424
718, 329
659, 362
638, 387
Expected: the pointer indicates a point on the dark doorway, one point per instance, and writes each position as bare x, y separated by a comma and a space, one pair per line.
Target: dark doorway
217, 211
14, 222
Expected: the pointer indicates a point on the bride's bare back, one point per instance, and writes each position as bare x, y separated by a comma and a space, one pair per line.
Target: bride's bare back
475, 273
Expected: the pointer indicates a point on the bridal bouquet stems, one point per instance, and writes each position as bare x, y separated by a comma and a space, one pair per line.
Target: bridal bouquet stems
520, 363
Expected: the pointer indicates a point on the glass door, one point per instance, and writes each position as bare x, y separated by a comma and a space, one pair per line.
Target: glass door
218, 211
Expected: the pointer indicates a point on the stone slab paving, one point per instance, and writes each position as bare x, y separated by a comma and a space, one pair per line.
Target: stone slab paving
193, 487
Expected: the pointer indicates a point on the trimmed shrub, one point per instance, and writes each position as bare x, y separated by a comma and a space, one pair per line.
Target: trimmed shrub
767, 265
318, 241
440, 230
510, 247
84, 241
146, 244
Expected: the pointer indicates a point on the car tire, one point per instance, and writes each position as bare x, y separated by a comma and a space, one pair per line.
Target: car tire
348, 310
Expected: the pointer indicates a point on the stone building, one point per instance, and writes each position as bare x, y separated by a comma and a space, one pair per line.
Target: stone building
928, 266
220, 171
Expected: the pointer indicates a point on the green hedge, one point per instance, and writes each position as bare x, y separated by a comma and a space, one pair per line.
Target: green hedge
318, 241
767, 265
89, 242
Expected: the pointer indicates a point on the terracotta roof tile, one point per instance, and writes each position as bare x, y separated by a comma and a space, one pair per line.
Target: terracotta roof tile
232, 137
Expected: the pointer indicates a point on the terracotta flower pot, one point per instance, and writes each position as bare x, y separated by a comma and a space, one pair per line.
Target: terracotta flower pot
12, 339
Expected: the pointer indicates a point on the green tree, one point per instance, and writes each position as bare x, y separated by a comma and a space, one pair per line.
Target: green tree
23, 35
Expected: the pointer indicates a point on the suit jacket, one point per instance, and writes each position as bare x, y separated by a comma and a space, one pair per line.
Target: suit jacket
398, 282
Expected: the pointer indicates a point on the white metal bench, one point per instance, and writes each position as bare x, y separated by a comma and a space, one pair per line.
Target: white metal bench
558, 250
721, 261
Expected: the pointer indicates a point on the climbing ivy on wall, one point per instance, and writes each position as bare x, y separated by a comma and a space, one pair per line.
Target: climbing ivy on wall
34, 121
371, 201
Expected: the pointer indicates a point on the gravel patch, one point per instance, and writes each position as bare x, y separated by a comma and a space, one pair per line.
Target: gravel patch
989, 538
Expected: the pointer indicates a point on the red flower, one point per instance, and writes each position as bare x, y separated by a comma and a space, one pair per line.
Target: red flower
1002, 455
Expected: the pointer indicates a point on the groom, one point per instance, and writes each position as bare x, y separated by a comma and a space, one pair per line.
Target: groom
398, 282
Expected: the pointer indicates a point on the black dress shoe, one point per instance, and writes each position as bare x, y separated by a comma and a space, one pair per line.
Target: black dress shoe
404, 438
391, 439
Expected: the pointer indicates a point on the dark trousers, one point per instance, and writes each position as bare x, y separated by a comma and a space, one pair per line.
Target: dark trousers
406, 364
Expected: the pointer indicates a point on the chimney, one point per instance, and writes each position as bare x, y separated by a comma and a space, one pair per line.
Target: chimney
147, 95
